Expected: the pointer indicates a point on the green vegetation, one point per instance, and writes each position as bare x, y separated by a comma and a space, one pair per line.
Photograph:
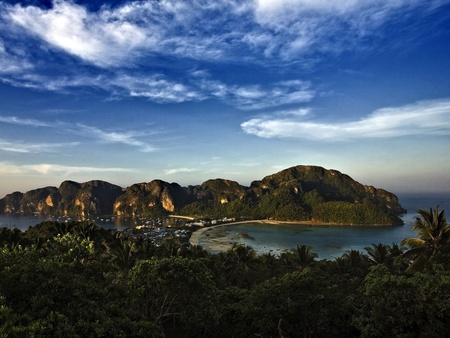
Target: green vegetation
301, 193
79, 280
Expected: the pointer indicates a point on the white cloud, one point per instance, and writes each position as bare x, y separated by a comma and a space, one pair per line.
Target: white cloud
140, 36
252, 97
305, 27
179, 170
11, 63
20, 147
430, 117
96, 38
130, 138
155, 88
216, 31
56, 169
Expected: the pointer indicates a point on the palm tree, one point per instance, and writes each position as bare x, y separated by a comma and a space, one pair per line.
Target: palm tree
433, 231
239, 263
383, 253
378, 253
122, 249
353, 262
304, 256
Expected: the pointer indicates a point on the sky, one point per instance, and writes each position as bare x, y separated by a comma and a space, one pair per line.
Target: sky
186, 91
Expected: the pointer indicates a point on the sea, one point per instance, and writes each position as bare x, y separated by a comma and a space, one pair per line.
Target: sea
327, 241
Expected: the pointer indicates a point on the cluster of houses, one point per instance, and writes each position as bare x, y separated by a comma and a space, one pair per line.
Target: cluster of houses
157, 229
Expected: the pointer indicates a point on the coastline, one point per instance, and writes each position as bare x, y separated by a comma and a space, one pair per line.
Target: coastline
221, 244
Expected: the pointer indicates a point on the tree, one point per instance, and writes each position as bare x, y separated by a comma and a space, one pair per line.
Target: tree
383, 253
122, 249
393, 305
304, 303
239, 264
10, 237
304, 256
433, 231
176, 293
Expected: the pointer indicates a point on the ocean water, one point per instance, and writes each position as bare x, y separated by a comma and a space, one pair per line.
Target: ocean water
24, 222
327, 241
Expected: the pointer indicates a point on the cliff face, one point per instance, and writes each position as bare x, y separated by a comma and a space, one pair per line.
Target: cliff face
155, 198
71, 198
297, 193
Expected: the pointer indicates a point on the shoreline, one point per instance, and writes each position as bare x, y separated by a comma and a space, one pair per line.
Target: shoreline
221, 244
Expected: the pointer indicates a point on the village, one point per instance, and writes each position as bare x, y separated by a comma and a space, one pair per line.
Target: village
159, 228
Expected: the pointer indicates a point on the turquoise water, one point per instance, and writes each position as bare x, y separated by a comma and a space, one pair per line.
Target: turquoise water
327, 241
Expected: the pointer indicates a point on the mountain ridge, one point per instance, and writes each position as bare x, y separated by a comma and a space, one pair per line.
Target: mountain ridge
297, 193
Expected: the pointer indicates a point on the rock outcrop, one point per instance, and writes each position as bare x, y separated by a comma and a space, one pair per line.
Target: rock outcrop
71, 198
296, 193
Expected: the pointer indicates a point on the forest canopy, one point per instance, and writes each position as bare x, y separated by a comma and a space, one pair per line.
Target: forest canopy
76, 279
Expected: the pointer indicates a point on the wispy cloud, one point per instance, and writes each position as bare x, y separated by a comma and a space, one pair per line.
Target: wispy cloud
251, 97
24, 122
156, 88
11, 63
56, 169
430, 117
121, 46
179, 170
305, 27
130, 138
20, 147
114, 36
160, 89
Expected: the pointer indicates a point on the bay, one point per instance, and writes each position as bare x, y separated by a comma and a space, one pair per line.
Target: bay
327, 241
24, 222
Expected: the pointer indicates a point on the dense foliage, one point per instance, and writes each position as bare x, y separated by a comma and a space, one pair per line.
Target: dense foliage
79, 280
300, 193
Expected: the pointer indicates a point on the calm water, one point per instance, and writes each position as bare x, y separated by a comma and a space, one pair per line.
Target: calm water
24, 222
327, 241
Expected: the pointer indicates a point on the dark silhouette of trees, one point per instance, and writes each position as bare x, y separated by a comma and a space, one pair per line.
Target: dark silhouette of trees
433, 231
77, 280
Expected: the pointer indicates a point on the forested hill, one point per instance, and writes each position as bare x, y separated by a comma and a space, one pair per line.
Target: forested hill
300, 193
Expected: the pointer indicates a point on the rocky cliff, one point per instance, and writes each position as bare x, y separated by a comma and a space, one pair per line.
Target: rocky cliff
155, 198
297, 193
71, 198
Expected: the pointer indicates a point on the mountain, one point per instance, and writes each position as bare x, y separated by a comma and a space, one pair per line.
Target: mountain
71, 198
297, 193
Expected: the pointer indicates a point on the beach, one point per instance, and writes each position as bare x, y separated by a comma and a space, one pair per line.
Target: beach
221, 243
213, 244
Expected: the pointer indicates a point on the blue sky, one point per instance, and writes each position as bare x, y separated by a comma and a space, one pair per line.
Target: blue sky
185, 91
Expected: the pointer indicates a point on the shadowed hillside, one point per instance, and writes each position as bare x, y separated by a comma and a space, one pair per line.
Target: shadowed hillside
300, 193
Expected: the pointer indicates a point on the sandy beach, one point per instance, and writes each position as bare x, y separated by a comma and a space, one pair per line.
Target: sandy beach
223, 243
213, 244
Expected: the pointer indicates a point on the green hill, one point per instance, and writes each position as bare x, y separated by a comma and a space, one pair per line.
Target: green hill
300, 193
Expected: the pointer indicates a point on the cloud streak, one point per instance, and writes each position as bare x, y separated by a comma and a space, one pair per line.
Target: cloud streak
27, 148
55, 169
431, 117
129, 138
252, 97
179, 170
